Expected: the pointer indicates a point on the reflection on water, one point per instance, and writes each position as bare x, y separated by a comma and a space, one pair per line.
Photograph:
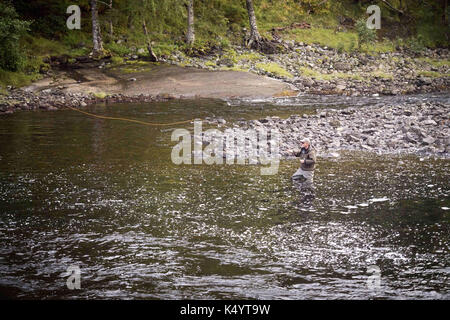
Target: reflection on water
104, 195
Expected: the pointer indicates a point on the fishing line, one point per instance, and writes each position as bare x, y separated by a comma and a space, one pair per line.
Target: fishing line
130, 120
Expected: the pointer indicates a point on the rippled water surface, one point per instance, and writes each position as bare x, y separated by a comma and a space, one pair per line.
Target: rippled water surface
104, 195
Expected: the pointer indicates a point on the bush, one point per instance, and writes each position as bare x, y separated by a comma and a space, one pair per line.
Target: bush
76, 39
224, 43
416, 44
117, 60
365, 35
11, 30
351, 47
117, 49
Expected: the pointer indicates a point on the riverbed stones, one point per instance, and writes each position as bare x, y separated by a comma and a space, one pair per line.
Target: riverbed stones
428, 140
56, 98
380, 129
340, 87
429, 122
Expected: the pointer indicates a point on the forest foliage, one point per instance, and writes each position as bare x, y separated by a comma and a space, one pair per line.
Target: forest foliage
34, 29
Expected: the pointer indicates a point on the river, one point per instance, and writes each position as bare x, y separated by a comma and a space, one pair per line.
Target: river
104, 196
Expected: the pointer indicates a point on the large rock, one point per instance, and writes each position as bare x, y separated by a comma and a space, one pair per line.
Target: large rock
429, 122
342, 66
340, 87
428, 140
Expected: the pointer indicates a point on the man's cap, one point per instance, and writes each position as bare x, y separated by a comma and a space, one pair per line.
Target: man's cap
306, 140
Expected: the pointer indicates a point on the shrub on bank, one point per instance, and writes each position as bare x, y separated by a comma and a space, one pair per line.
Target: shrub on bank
11, 30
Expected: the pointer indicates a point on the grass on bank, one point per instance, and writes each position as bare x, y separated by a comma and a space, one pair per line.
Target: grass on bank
381, 74
342, 41
310, 73
432, 74
35, 50
16, 79
100, 94
249, 57
234, 68
435, 62
131, 66
29, 72
275, 69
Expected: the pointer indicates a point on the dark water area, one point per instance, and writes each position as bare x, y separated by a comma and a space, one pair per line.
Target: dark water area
104, 195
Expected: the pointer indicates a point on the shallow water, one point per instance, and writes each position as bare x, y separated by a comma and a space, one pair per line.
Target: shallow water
104, 195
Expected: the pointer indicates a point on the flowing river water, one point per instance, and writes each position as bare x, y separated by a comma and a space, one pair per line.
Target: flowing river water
104, 195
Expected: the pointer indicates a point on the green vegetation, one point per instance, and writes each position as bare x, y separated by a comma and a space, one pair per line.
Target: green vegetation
435, 63
100, 95
16, 79
234, 68
342, 41
210, 63
275, 69
326, 37
131, 66
432, 74
381, 74
117, 60
32, 31
250, 57
231, 55
12, 28
164, 49
365, 35
117, 49
43, 47
308, 72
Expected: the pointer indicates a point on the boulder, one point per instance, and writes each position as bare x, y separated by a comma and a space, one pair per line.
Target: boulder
429, 122
428, 140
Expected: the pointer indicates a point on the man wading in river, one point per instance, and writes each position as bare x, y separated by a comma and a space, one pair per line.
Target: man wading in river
307, 156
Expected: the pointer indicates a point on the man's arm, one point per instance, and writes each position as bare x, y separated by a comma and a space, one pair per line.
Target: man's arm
295, 152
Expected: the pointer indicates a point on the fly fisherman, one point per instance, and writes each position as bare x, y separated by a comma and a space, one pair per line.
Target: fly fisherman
307, 156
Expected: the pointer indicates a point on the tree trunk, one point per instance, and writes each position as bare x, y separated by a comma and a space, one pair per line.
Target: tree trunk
96, 32
111, 28
190, 35
149, 44
254, 34
399, 11
130, 21
444, 12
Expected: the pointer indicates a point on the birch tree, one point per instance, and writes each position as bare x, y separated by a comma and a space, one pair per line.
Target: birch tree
111, 28
96, 32
190, 34
151, 54
255, 37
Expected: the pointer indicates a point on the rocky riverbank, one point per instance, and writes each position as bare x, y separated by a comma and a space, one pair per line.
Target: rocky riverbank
321, 70
56, 99
422, 129
307, 68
